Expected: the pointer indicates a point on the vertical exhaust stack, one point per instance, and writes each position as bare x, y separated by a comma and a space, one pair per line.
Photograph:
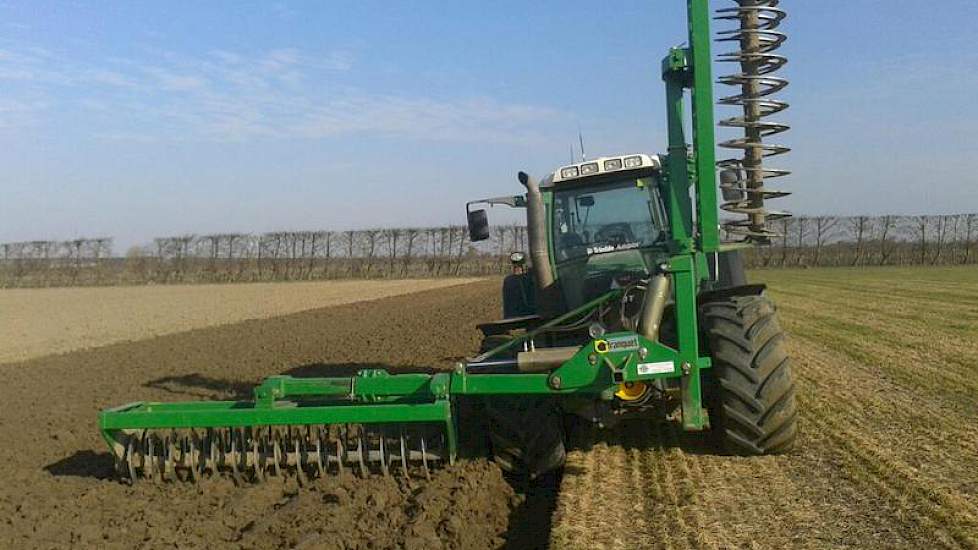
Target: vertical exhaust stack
742, 180
656, 297
536, 225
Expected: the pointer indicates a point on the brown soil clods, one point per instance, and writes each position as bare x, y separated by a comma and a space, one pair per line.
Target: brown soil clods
57, 491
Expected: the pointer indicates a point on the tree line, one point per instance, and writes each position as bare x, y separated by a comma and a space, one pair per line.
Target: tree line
805, 241
274, 256
831, 241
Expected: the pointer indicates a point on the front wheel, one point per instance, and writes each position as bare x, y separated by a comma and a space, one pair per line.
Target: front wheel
750, 390
526, 433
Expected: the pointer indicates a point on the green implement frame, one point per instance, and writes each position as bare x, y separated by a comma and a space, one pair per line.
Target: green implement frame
596, 369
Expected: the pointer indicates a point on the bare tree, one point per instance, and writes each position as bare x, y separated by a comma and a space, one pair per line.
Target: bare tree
391, 236
921, 223
970, 223
858, 225
942, 230
885, 228
410, 236
824, 231
801, 237
370, 239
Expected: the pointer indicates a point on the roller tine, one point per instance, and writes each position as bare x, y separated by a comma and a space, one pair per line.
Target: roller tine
159, 458
194, 457
200, 463
130, 462
142, 455
300, 472
424, 459
256, 456
186, 454
205, 451
383, 453
167, 451
277, 453
213, 455
324, 434
233, 452
229, 452
180, 462
182, 447
149, 459
288, 446
312, 449
363, 465
119, 463
220, 449
141, 446
176, 455
317, 452
404, 460
340, 455
244, 450
267, 454
193, 450
320, 452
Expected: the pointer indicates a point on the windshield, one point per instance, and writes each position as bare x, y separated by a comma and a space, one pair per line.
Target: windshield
605, 217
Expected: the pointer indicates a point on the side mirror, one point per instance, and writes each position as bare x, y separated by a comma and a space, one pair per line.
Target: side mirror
731, 185
478, 225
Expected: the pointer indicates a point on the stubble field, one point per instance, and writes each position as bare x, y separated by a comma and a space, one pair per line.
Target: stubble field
887, 387
886, 362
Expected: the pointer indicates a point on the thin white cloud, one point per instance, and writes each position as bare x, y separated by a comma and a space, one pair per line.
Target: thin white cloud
110, 78
175, 82
231, 96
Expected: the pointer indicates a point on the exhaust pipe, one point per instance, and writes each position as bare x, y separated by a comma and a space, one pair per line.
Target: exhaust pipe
536, 226
656, 297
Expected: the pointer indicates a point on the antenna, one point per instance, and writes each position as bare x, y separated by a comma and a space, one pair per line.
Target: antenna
580, 137
572, 152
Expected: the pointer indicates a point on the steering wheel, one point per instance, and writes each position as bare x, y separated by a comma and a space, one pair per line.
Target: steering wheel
615, 233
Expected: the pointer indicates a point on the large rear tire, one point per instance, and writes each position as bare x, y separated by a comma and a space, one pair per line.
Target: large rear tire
526, 434
750, 391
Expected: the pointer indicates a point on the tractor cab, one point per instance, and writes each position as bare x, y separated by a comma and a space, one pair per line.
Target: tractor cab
603, 222
606, 221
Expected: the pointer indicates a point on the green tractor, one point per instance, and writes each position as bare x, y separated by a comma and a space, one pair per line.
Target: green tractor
631, 307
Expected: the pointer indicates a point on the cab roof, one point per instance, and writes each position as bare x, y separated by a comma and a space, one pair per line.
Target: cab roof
588, 169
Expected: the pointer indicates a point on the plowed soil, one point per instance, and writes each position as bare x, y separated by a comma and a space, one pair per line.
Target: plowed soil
885, 362
56, 492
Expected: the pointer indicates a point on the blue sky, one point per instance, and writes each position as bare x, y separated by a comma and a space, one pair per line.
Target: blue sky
137, 120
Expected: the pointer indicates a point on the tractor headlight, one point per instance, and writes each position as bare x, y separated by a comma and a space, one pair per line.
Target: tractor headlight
569, 172
589, 168
517, 258
613, 164
633, 162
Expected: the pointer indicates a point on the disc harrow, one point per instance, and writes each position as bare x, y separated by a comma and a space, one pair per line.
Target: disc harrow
251, 454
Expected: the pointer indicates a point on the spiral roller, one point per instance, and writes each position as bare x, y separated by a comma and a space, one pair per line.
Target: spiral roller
250, 454
742, 180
